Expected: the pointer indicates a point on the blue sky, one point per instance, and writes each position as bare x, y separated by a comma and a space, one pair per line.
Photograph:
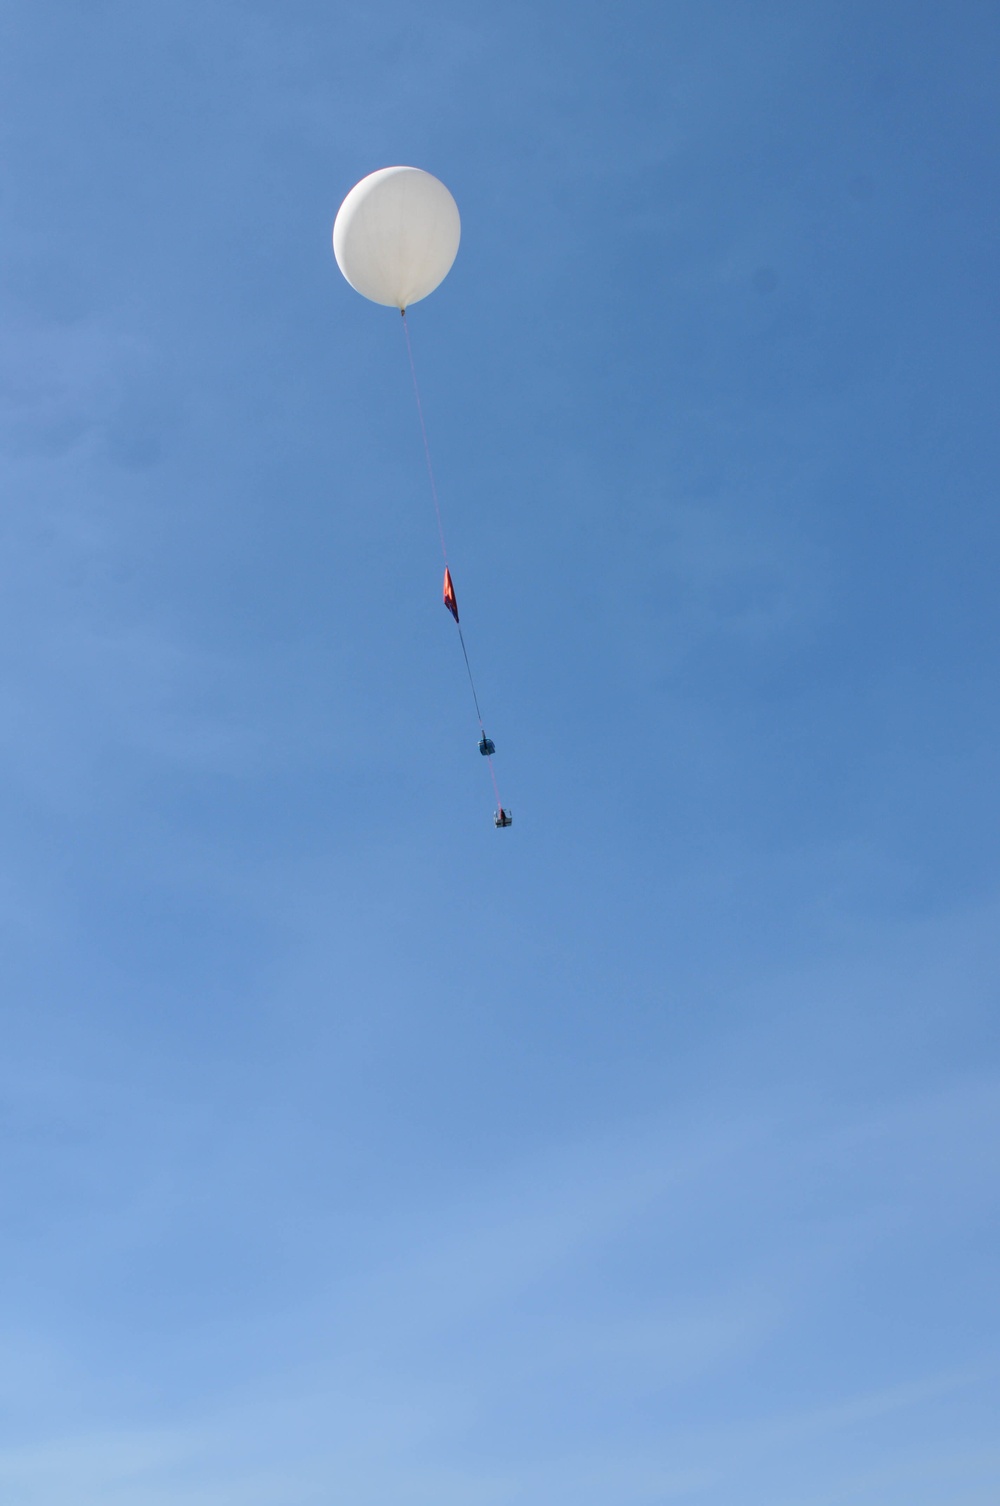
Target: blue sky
353, 1152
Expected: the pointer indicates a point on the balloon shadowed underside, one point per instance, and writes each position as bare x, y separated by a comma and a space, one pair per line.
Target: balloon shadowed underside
396, 235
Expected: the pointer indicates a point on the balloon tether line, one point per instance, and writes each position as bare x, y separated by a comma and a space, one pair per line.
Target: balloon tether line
444, 547
423, 434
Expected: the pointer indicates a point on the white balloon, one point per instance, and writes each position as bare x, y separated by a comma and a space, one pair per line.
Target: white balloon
396, 235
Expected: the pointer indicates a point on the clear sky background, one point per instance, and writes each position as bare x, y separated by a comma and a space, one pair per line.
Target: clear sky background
352, 1152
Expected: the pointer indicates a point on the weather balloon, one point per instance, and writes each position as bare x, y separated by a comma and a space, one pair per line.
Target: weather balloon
395, 238
396, 235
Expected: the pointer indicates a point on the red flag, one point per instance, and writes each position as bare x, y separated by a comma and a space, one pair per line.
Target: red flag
449, 594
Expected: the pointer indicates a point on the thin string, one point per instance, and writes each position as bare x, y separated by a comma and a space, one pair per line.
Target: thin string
444, 548
461, 639
423, 434
489, 756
